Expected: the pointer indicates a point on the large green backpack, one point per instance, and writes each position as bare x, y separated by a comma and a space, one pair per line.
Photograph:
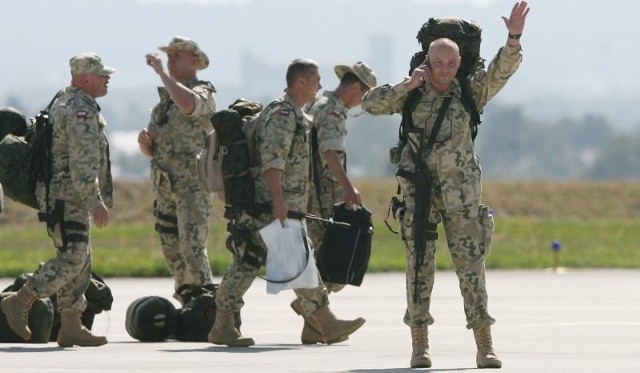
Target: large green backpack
468, 35
16, 157
16, 170
25, 155
12, 121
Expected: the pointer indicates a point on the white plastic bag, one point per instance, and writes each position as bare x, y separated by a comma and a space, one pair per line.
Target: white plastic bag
290, 262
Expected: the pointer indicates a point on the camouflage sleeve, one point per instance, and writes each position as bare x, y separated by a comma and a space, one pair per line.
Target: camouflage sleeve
204, 99
276, 136
84, 133
501, 68
331, 130
385, 99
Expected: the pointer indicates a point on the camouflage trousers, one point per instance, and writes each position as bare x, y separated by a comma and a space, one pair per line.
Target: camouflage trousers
240, 275
469, 231
330, 194
69, 273
182, 223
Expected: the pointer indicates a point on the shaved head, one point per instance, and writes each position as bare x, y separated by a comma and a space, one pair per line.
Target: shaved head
444, 61
443, 45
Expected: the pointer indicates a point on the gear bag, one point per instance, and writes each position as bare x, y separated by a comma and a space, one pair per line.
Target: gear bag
40, 322
196, 317
13, 122
151, 319
98, 296
226, 164
467, 34
16, 173
25, 156
344, 255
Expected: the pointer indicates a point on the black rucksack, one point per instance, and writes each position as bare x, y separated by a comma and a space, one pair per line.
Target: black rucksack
196, 317
468, 35
226, 164
155, 319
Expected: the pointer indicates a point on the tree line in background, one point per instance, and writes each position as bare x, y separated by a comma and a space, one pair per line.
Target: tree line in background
510, 145
513, 147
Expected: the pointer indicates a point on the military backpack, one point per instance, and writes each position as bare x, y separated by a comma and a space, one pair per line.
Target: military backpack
25, 154
226, 164
467, 34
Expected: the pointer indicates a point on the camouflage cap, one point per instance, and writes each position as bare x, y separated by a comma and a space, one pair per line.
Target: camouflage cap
182, 43
359, 69
88, 62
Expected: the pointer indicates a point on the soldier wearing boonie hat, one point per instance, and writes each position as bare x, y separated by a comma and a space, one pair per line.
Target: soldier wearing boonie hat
80, 194
359, 69
181, 43
174, 136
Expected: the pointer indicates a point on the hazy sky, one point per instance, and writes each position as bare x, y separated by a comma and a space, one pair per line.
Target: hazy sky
572, 48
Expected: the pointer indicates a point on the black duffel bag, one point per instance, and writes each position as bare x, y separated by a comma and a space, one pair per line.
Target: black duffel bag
343, 257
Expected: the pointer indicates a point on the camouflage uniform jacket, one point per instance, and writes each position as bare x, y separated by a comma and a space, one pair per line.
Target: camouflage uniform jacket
179, 137
80, 150
282, 140
452, 160
329, 114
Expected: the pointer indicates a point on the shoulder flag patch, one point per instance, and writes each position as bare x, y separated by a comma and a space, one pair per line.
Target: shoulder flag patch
284, 113
81, 114
336, 114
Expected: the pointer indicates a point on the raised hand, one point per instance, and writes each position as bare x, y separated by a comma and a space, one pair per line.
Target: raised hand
515, 22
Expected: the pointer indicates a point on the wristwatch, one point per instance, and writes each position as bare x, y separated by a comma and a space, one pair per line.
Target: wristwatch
514, 37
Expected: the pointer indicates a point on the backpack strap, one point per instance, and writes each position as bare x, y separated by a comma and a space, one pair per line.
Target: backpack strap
315, 162
409, 106
45, 157
470, 106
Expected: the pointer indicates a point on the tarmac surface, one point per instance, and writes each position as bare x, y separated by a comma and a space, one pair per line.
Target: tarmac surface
573, 321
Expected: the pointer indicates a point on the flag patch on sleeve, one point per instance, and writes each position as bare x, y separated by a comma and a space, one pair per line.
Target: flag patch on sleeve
336, 114
81, 115
284, 113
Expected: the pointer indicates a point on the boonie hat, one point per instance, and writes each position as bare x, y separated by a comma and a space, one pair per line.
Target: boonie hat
89, 62
182, 43
359, 69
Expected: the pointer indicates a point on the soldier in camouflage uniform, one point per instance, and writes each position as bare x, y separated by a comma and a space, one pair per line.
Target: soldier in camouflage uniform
81, 192
282, 141
176, 133
329, 160
456, 184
